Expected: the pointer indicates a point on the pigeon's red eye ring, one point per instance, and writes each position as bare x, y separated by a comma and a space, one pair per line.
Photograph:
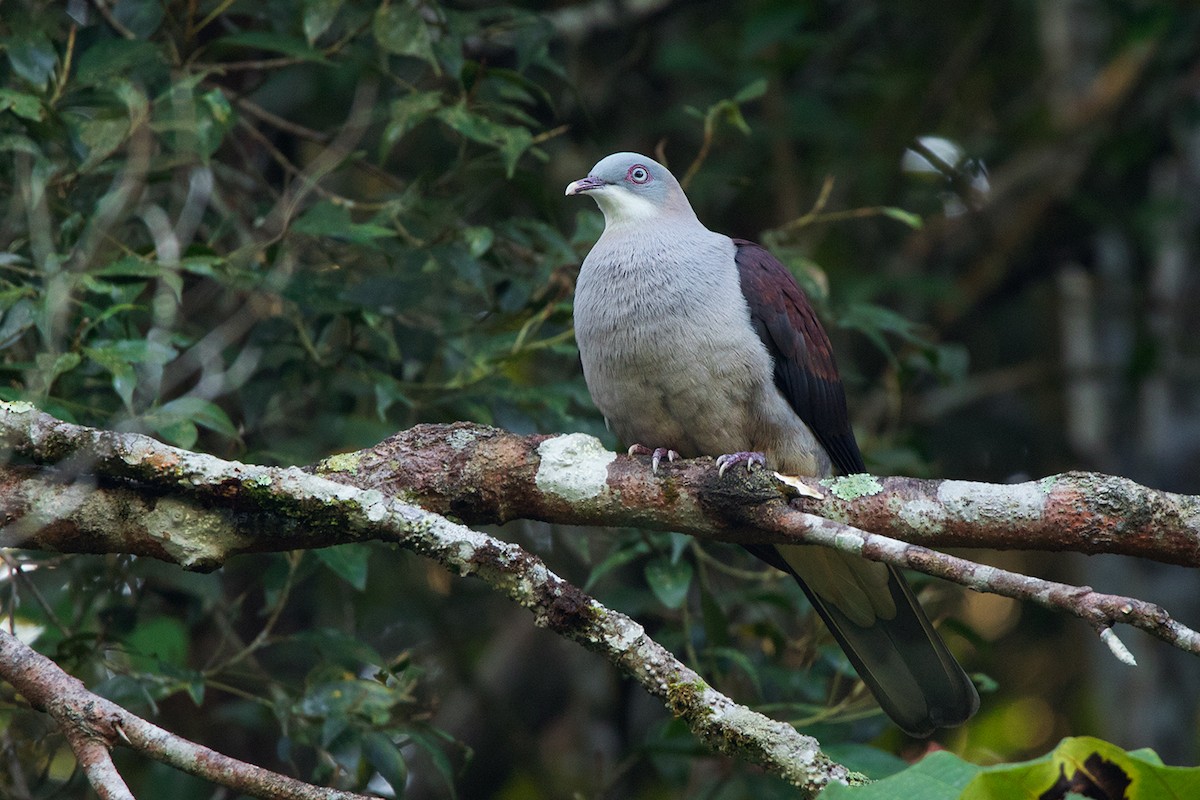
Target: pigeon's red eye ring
638, 174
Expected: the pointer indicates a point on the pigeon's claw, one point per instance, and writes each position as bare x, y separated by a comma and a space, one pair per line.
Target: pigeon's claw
656, 455
751, 460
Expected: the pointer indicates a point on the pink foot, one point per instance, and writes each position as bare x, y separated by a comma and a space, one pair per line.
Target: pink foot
656, 455
751, 459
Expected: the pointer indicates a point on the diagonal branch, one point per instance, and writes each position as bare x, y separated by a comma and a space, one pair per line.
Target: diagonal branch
92, 725
1102, 611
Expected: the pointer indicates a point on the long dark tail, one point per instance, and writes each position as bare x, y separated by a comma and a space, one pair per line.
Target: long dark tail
900, 656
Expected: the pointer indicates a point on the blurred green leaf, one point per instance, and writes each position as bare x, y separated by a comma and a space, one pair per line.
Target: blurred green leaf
669, 581
273, 42
330, 219
751, 91
110, 59
318, 16
32, 57
158, 639
407, 112
479, 239
617, 558
910, 219
511, 140
363, 699
383, 754
400, 30
347, 561
26, 106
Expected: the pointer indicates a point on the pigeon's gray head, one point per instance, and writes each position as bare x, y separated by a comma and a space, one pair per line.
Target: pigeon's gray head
630, 187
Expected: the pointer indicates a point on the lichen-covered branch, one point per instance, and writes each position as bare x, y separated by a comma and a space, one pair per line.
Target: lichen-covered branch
482, 474
311, 510
93, 725
1102, 611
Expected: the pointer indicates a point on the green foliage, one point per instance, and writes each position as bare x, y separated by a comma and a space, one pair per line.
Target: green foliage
1078, 767
148, 171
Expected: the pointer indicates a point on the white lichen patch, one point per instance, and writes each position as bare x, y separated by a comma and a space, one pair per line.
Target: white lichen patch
972, 502
193, 537
848, 540
922, 514
374, 505
574, 467
850, 487
460, 439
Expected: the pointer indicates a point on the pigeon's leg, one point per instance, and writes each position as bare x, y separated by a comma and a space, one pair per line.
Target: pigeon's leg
751, 460
656, 455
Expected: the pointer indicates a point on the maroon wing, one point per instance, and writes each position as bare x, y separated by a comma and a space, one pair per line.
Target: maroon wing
805, 372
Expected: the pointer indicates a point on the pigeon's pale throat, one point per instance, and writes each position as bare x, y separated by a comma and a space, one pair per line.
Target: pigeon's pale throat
619, 205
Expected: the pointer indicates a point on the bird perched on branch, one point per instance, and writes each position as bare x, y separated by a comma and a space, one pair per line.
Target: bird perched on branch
696, 344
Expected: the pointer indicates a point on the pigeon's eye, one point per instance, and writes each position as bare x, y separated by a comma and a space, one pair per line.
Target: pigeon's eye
639, 174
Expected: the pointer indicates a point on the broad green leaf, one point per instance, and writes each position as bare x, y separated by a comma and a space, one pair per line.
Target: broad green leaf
437, 755
26, 106
115, 58
318, 16
751, 91
407, 112
939, 776
141, 17
52, 365
130, 351
1094, 763
1105, 769
479, 239
401, 30
273, 42
12, 143
669, 581
617, 558
347, 561
16, 320
158, 639
339, 647
195, 410
740, 660
383, 754
365, 699
179, 432
101, 138
330, 219
511, 140
129, 267
876, 764
32, 57
214, 121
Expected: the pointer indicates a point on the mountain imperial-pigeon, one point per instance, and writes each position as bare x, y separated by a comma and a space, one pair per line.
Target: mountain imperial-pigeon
697, 344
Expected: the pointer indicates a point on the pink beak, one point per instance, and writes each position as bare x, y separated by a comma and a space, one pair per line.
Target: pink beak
584, 185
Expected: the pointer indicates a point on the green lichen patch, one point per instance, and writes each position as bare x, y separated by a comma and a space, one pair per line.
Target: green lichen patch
851, 487
342, 462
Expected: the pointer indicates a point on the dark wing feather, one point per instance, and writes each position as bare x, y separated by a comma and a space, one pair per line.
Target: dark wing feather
805, 372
